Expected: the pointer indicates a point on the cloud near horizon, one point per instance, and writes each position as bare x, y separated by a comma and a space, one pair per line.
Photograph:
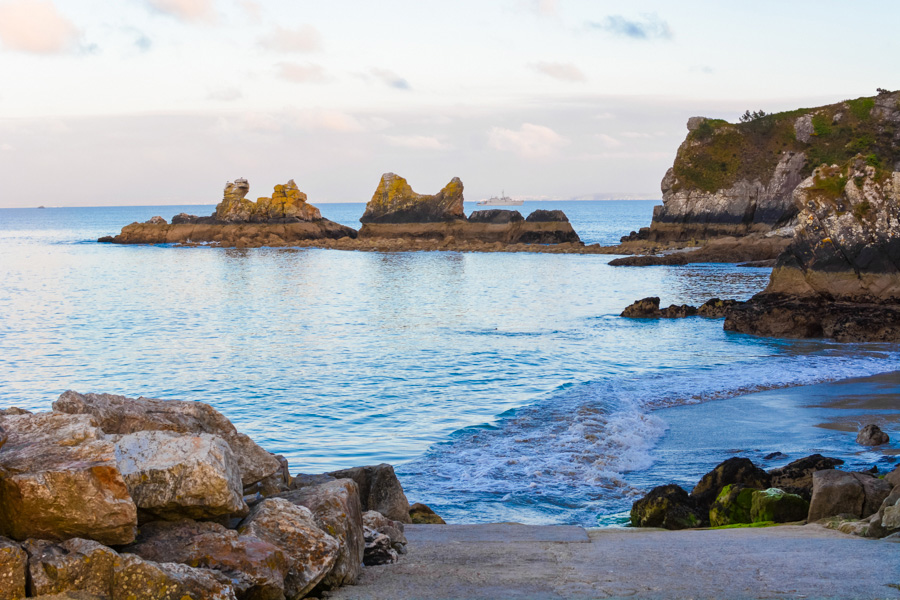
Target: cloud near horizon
36, 26
651, 27
390, 79
529, 141
187, 10
418, 142
302, 73
559, 71
303, 39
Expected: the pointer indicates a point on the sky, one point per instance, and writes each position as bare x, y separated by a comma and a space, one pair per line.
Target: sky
137, 102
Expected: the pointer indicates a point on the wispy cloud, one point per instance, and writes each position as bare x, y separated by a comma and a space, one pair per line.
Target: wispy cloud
545, 8
529, 141
390, 79
649, 27
705, 69
560, 71
419, 142
253, 9
608, 140
303, 39
226, 94
36, 26
187, 10
302, 73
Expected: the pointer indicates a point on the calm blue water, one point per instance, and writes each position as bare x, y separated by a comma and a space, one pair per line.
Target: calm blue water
502, 386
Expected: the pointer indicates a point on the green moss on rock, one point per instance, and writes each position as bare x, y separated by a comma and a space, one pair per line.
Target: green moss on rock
732, 506
777, 505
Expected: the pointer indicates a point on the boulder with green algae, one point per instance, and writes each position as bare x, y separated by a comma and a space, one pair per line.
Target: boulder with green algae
734, 470
421, 514
394, 201
777, 505
732, 506
669, 507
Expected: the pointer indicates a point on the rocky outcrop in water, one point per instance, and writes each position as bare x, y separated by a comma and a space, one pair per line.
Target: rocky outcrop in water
287, 202
80, 479
394, 201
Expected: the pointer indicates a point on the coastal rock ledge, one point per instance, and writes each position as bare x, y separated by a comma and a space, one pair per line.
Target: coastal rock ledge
115, 498
284, 218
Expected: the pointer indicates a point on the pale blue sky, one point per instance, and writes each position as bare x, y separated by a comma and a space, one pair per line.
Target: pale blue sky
162, 101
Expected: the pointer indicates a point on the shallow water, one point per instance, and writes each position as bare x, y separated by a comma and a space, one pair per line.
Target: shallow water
502, 386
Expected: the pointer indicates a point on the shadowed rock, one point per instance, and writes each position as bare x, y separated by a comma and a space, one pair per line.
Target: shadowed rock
496, 216
379, 490
734, 470
669, 507
796, 477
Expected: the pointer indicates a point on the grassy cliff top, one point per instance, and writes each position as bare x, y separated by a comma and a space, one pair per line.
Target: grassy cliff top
717, 154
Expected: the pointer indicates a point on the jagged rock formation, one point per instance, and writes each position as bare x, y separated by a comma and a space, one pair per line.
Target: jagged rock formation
283, 219
394, 201
396, 212
737, 179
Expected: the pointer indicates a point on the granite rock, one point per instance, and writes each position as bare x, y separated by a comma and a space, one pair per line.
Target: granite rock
13, 568
843, 493
394, 201
379, 490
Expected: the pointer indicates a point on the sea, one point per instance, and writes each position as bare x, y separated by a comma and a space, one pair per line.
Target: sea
501, 386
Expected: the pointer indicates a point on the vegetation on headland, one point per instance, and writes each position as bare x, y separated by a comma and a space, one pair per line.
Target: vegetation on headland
717, 153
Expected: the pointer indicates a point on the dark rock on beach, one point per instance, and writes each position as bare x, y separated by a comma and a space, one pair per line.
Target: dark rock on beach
496, 216
669, 507
421, 514
732, 471
796, 476
379, 490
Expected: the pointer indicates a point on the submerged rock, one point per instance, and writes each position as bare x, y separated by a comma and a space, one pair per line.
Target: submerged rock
394, 201
669, 507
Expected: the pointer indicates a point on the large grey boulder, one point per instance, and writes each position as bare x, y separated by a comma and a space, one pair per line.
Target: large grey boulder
176, 476
310, 552
336, 509
256, 568
379, 490
61, 481
843, 493
13, 565
121, 415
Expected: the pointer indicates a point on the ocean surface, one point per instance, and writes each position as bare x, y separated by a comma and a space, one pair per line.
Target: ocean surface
503, 387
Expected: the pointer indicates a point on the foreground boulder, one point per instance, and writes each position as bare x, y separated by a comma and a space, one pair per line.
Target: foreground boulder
797, 477
336, 509
256, 568
378, 549
732, 471
669, 507
733, 505
61, 480
172, 476
394, 201
138, 579
842, 493
379, 490
13, 566
777, 506
310, 552
393, 529
121, 415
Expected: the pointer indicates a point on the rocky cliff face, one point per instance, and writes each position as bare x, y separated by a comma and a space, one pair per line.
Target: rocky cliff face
738, 179
395, 202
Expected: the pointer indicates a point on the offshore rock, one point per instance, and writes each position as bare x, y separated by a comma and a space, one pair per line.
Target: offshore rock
669, 507
121, 415
839, 492
257, 568
734, 470
714, 308
379, 490
753, 248
336, 509
547, 216
60, 480
872, 435
310, 552
394, 201
13, 566
496, 216
797, 477
176, 476
647, 308
420, 514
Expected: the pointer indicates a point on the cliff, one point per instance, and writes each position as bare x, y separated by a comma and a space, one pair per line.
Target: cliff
738, 179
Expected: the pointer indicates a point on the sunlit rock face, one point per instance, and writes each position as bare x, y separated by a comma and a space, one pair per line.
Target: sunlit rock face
287, 202
394, 201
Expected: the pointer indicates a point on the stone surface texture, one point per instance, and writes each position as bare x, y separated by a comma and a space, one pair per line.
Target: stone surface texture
310, 552
13, 568
177, 475
379, 490
138, 579
73, 565
796, 476
731, 471
394, 201
121, 415
60, 480
844, 493
777, 506
669, 507
422, 514
287, 202
872, 435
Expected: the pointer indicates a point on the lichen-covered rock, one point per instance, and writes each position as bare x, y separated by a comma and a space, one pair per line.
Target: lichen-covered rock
13, 566
669, 507
310, 552
647, 308
287, 202
257, 568
796, 476
72, 565
496, 216
843, 493
121, 415
420, 514
337, 511
378, 549
60, 480
394, 201
872, 435
379, 490
734, 470
714, 308
376, 521
777, 506
234, 207
732, 505
139, 579
176, 475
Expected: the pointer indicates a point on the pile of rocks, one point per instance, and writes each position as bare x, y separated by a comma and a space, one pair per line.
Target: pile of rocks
121, 498
648, 308
737, 492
